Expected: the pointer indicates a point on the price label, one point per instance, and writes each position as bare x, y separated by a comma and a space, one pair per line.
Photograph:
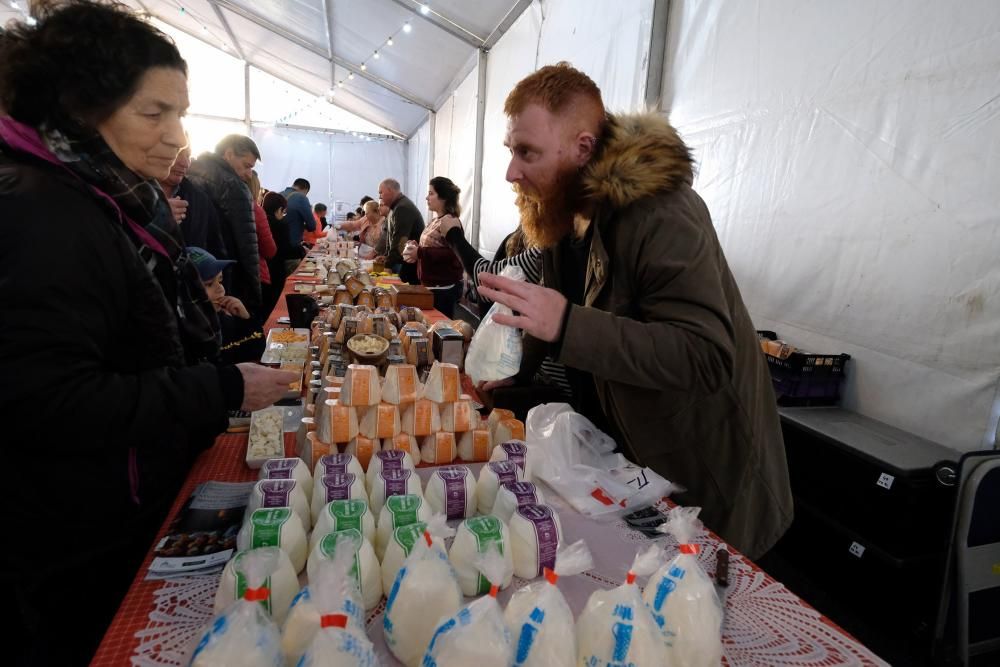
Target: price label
885, 480
857, 550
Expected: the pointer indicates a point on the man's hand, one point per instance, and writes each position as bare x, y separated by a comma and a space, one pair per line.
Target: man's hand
540, 309
380, 260
262, 386
179, 208
448, 224
233, 306
410, 252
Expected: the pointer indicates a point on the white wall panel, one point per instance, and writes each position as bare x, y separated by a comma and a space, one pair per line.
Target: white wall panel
418, 167
455, 142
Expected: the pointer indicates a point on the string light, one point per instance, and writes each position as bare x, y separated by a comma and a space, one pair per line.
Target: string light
376, 55
425, 9
407, 27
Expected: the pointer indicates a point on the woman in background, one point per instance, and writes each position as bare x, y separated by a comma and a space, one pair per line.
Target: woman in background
274, 206
266, 245
437, 266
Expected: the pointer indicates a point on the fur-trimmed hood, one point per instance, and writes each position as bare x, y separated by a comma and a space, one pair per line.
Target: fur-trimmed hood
640, 155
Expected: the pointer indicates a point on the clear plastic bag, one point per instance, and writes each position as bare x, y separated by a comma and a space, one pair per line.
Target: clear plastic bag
540, 620
579, 461
244, 634
477, 635
617, 628
339, 640
683, 599
424, 593
495, 351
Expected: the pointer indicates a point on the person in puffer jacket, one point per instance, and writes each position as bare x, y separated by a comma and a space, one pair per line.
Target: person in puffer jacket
223, 175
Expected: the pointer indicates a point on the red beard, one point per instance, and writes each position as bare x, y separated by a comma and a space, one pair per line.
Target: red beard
547, 218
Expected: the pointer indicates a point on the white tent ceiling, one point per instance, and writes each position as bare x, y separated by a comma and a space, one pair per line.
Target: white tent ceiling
319, 45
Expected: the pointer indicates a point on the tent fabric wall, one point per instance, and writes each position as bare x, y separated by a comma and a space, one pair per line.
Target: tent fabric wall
853, 185
338, 167
418, 166
609, 41
455, 143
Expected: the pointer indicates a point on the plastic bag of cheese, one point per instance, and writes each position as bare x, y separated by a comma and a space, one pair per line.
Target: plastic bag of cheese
336, 645
282, 583
616, 626
477, 634
340, 590
365, 569
244, 634
495, 350
400, 546
540, 620
683, 599
399, 511
473, 538
275, 527
424, 593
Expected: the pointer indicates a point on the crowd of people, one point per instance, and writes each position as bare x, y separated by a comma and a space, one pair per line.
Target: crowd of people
134, 281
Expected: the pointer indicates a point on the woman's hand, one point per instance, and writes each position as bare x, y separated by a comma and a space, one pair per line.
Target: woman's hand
410, 252
233, 306
263, 386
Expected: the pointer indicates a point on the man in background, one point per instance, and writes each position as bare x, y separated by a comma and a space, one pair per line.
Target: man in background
299, 219
192, 208
403, 223
222, 175
319, 216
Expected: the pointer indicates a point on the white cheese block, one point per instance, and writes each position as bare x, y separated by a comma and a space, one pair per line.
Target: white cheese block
451, 490
363, 449
361, 386
471, 539
366, 571
399, 547
421, 418
474, 445
443, 383
338, 463
388, 459
341, 515
393, 482
507, 429
438, 448
337, 487
269, 493
457, 417
380, 421
401, 384
283, 584
496, 416
397, 512
514, 494
289, 468
275, 527
406, 443
492, 476
535, 535
516, 451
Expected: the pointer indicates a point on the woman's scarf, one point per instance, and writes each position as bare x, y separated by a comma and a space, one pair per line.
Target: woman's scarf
147, 219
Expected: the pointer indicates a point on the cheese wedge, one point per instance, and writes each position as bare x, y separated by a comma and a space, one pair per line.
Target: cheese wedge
354, 286
438, 448
347, 330
419, 352
401, 384
457, 417
365, 298
443, 384
361, 386
496, 416
474, 445
343, 423
380, 421
421, 418
403, 442
363, 448
314, 449
507, 429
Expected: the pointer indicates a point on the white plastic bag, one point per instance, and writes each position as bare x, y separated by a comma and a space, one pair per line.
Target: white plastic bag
495, 351
338, 641
578, 460
333, 583
683, 598
244, 634
477, 635
540, 620
617, 628
424, 593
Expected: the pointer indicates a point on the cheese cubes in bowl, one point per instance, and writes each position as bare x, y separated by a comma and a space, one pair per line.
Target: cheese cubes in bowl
267, 437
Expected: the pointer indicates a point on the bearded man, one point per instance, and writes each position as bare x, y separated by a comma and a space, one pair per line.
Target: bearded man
639, 303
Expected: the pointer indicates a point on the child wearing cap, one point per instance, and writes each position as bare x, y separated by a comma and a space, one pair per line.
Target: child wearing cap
242, 339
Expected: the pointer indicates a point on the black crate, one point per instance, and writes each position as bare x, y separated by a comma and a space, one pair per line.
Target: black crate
806, 379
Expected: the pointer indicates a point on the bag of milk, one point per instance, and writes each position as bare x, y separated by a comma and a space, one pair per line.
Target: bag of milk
540, 620
339, 641
333, 577
282, 583
365, 570
244, 634
616, 627
495, 350
424, 593
477, 634
683, 599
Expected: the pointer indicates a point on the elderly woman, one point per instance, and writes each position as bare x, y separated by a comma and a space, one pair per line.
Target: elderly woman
437, 266
104, 319
371, 230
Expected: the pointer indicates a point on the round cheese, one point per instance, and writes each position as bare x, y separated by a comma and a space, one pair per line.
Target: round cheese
337, 487
535, 534
289, 468
338, 463
283, 585
366, 570
275, 527
512, 495
451, 490
491, 477
472, 537
393, 482
341, 515
399, 511
387, 459
516, 451
404, 539
268, 493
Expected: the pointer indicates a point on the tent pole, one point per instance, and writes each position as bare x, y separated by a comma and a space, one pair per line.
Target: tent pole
246, 95
477, 174
657, 55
